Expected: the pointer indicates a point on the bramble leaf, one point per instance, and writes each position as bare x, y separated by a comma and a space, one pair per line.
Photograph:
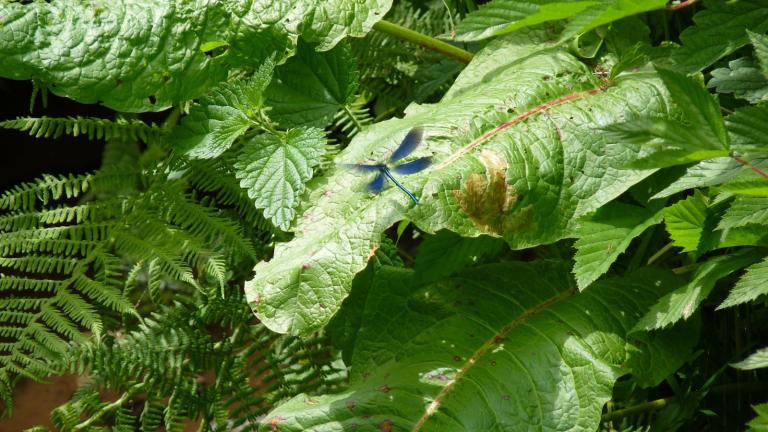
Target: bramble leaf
518, 154
743, 78
720, 29
274, 170
150, 55
605, 235
482, 350
757, 360
685, 221
745, 210
681, 303
751, 286
499, 17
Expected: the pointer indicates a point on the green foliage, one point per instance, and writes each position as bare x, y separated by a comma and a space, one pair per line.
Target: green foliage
559, 144
52, 127
499, 17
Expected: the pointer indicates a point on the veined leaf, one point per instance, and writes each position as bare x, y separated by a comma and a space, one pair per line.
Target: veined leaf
748, 127
685, 221
274, 170
758, 359
681, 303
709, 172
669, 142
760, 42
311, 87
147, 56
482, 351
746, 210
222, 116
751, 286
446, 253
605, 235
757, 187
499, 17
720, 30
524, 175
743, 78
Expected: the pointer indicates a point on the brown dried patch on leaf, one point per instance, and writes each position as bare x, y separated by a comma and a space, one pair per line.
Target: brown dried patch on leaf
489, 201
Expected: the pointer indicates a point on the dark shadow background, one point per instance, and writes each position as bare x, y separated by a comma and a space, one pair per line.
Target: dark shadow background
24, 157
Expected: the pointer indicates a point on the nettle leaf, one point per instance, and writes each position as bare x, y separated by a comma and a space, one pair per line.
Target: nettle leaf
273, 169
685, 221
311, 87
518, 154
681, 303
499, 17
745, 210
222, 116
720, 30
148, 56
758, 359
743, 78
483, 350
605, 235
751, 286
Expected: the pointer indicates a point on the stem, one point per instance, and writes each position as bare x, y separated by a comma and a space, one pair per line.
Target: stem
639, 408
111, 407
661, 252
423, 40
682, 5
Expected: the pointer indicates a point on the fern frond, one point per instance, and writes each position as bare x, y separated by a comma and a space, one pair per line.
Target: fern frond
93, 128
25, 196
352, 118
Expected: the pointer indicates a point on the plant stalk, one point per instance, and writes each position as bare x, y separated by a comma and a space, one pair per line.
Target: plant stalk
423, 40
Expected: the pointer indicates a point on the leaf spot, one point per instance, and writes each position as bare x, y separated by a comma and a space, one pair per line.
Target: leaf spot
384, 389
386, 426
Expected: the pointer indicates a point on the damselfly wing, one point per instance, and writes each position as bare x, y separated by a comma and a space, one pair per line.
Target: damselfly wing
384, 170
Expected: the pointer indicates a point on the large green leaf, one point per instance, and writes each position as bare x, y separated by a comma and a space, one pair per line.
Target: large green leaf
605, 235
751, 286
499, 17
759, 423
518, 154
274, 170
681, 303
746, 210
720, 30
685, 221
758, 359
149, 55
506, 347
311, 87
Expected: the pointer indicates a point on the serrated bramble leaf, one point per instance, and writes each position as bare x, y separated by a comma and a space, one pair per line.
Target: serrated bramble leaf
757, 360
525, 175
499, 17
697, 104
685, 221
222, 116
482, 350
683, 302
709, 172
146, 56
748, 127
760, 42
312, 86
757, 187
720, 29
759, 423
605, 235
745, 210
273, 169
743, 78
751, 286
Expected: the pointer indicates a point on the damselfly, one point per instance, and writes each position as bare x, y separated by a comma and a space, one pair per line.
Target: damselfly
385, 170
